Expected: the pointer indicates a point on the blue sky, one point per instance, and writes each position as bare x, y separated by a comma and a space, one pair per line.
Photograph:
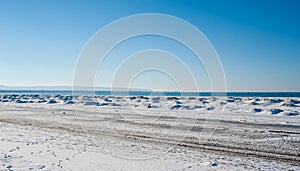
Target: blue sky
258, 41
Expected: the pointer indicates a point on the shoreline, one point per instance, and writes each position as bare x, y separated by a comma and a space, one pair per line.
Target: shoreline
128, 137
151, 93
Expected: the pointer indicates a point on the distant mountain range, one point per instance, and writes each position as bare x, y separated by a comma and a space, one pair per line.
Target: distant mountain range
67, 88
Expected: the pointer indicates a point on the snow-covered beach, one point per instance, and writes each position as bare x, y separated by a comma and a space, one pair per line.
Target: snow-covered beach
40, 132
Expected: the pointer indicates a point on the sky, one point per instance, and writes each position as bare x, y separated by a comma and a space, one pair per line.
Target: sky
258, 41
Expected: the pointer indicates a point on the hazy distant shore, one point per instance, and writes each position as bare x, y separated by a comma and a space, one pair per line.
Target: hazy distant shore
98, 91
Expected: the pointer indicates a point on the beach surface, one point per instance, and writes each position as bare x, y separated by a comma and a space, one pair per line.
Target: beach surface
40, 132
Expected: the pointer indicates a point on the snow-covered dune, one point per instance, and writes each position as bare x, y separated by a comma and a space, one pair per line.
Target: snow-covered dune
256, 105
